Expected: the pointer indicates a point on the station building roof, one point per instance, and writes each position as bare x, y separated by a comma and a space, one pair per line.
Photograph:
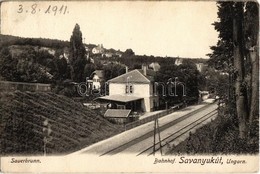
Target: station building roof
134, 76
120, 98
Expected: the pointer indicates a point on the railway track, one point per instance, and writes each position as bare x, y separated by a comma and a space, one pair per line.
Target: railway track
177, 134
149, 134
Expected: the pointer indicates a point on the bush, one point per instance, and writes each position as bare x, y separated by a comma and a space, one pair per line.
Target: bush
221, 136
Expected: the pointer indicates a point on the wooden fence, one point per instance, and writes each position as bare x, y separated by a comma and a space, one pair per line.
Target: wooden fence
152, 117
21, 86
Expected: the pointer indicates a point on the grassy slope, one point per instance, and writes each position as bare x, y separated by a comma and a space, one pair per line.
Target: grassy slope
73, 126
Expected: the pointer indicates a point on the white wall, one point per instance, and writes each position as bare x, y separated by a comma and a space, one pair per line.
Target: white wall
139, 90
115, 88
142, 90
147, 104
96, 82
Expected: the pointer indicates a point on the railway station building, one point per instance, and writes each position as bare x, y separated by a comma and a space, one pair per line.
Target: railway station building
133, 90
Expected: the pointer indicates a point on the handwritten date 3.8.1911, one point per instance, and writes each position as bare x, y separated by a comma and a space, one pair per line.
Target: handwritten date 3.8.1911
51, 9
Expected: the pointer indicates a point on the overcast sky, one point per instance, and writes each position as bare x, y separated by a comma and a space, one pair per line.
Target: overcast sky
153, 28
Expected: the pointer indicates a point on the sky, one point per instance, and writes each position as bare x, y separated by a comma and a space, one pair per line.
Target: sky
159, 28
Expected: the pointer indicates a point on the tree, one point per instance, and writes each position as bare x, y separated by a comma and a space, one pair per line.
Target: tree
189, 74
128, 53
252, 35
77, 58
238, 51
186, 73
222, 56
24, 67
113, 70
8, 64
215, 81
89, 69
235, 53
62, 70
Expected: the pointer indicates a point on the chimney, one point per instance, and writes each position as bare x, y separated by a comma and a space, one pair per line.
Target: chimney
144, 68
126, 69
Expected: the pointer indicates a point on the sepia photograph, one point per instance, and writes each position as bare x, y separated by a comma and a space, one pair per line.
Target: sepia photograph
129, 86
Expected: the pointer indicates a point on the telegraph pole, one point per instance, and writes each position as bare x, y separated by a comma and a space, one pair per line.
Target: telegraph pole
156, 129
159, 134
154, 136
46, 133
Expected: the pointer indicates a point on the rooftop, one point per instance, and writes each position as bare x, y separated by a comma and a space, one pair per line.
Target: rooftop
134, 76
117, 113
120, 98
99, 73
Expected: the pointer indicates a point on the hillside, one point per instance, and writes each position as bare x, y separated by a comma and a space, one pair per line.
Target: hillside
7, 40
73, 126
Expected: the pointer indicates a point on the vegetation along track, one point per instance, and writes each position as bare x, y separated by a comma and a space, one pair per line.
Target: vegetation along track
150, 133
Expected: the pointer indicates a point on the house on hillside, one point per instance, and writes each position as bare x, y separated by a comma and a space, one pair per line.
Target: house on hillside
178, 61
96, 78
87, 48
119, 53
98, 50
200, 66
65, 54
109, 54
112, 53
49, 50
155, 66
133, 90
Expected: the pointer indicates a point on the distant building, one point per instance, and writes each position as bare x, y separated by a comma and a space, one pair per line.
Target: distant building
112, 53
87, 48
199, 66
178, 61
119, 53
155, 66
66, 53
96, 78
98, 50
50, 50
109, 54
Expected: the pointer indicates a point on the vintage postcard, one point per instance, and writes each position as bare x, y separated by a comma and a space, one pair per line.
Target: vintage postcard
129, 86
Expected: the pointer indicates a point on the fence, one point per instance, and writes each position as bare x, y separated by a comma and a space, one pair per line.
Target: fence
12, 86
152, 117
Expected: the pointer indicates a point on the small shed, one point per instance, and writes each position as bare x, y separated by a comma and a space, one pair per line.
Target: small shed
120, 116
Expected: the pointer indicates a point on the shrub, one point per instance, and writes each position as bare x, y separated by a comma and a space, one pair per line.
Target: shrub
221, 136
